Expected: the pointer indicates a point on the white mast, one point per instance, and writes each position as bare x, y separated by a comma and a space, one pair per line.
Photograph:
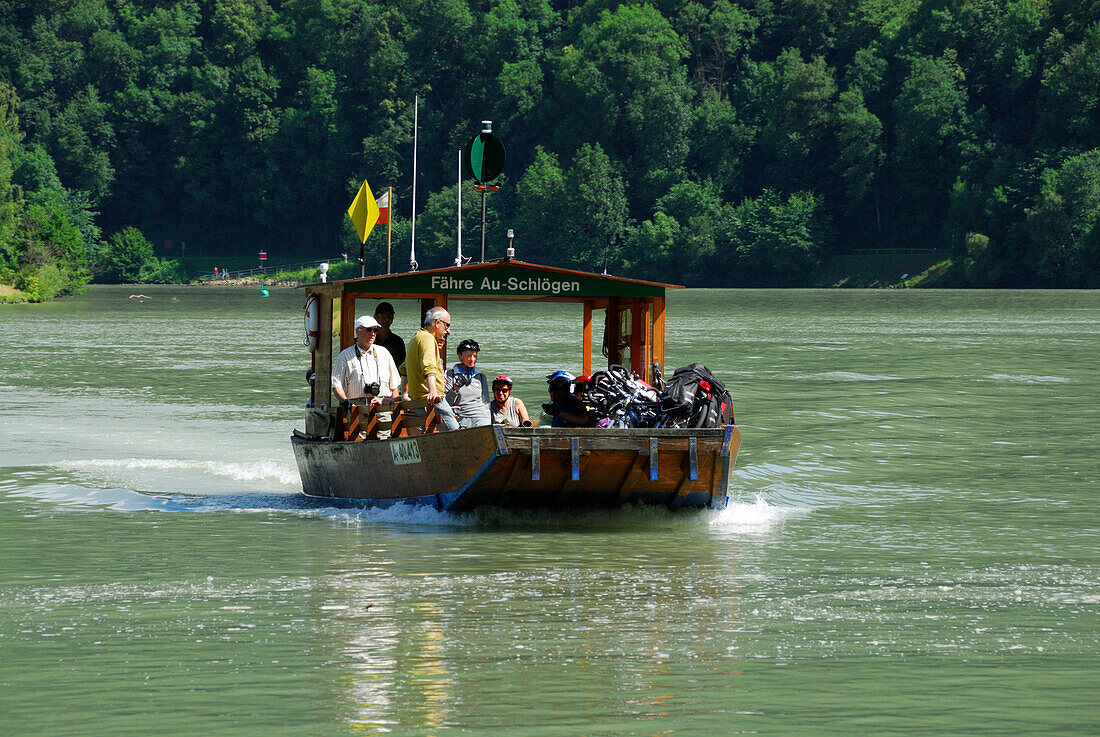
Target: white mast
412, 247
458, 258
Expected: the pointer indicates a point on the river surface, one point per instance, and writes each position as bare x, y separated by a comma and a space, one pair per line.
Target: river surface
912, 545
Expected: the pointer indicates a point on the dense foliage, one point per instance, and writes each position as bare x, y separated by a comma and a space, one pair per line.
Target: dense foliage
723, 142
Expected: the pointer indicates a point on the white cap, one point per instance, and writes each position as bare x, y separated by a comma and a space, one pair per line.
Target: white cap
366, 321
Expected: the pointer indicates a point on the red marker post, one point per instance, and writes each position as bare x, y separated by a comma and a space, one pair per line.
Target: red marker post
263, 257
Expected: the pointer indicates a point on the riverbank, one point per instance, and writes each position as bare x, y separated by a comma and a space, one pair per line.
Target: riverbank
248, 281
887, 270
11, 295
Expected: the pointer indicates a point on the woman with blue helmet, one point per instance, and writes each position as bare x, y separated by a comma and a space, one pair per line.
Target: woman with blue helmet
565, 409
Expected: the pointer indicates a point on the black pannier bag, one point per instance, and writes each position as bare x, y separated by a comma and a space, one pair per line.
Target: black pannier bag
693, 393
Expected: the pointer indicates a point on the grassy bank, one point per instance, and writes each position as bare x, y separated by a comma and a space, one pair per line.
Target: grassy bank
890, 269
9, 295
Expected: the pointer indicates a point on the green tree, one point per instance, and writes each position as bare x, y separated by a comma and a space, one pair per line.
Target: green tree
792, 106
595, 219
719, 34
50, 256
625, 86
679, 239
652, 248
123, 256
236, 26
859, 149
11, 199
1069, 106
933, 132
521, 85
720, 144
697, 208
230, 121
1064, 224
978, 259
774, 241
162, 271
540, 201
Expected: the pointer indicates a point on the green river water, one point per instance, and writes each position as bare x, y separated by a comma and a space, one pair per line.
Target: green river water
912, 545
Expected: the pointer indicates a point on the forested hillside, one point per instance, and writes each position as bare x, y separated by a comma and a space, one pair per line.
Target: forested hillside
734, 142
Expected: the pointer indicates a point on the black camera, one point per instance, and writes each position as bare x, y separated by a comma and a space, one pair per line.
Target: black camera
372, 389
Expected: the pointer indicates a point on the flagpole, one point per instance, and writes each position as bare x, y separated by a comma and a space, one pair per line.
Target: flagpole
363, 252
458, 258
389, 227
416, 122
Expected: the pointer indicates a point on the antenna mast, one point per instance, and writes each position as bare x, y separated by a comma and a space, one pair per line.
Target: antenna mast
412, 247
458, 257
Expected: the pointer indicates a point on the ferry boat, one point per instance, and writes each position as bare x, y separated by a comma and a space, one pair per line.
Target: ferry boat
527, 467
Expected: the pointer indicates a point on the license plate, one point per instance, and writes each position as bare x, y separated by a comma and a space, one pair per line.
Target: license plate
404, 452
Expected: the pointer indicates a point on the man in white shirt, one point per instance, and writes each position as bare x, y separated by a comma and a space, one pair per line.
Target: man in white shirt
364, 369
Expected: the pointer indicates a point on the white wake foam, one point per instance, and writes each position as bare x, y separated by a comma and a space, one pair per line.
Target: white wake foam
1029, 378
125, 471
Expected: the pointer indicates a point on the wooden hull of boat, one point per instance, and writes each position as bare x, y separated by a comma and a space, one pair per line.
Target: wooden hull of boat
525, 467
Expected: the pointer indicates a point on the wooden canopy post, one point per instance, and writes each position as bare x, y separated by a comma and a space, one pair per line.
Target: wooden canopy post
612, 333
347, 319
658, 311
322, 353
638, 330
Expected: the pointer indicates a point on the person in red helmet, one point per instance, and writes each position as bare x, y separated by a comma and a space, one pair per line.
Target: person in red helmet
506, 409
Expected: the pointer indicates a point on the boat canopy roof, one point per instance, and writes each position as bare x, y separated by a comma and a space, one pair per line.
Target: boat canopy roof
503, 279
633, 310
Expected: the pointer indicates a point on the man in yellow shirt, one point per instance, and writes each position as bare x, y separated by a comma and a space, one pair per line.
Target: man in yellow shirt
425, 368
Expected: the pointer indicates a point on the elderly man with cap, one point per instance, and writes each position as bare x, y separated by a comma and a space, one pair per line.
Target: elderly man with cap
364, 369
388, 339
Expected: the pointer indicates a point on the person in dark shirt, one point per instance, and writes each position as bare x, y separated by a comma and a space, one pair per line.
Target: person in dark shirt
566, 409
388, 339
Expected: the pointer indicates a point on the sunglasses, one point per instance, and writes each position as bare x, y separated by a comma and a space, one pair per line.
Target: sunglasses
445, 323
369, 330
504, 389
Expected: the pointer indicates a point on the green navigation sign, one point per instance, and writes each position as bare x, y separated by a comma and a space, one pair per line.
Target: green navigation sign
484, 157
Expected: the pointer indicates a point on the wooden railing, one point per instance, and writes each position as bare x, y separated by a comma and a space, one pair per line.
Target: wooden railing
402, 422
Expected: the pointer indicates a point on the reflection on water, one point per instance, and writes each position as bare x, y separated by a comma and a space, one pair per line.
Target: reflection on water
610, 629
912, 528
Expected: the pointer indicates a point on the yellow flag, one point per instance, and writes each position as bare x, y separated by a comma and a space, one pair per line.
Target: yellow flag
363, 212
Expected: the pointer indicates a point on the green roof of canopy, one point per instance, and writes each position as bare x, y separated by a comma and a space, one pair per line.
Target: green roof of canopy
503, 279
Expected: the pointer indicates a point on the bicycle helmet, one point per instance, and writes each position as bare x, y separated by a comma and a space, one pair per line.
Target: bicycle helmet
560, 374
560, 380
468, 345
502, 380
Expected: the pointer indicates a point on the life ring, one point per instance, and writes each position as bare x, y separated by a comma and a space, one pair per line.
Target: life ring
313, 320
